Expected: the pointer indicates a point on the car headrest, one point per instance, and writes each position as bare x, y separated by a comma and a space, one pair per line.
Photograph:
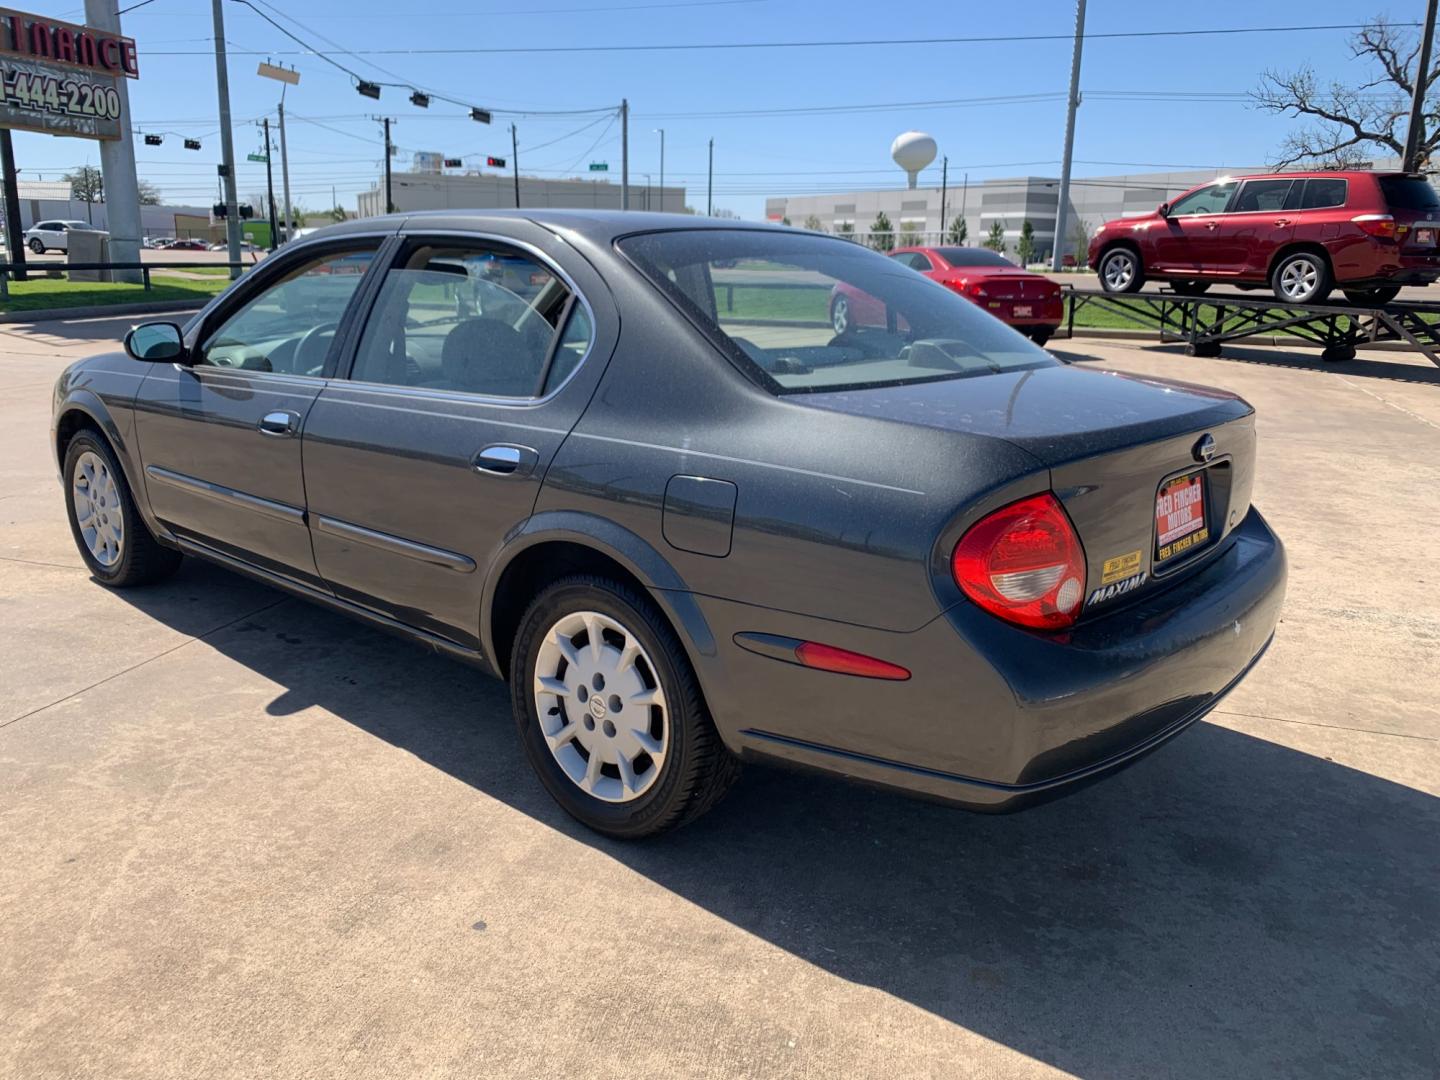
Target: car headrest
489, 356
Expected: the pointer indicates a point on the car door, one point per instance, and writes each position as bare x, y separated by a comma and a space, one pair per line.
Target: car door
467, 375
1254, 225
219, 435
1183, 238
59, 237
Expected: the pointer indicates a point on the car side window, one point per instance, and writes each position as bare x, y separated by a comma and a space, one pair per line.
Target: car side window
477, 319
289, 325
1323, 192
919, 262
1207, 200
1261, 195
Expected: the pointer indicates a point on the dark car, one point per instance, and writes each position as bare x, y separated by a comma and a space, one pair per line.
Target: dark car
937, 559
1027, 301
1302, 234
187, 245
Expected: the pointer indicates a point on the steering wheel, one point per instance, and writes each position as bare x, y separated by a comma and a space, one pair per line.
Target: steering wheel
310, 341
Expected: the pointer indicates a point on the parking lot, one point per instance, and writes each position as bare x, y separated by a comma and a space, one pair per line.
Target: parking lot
242, 836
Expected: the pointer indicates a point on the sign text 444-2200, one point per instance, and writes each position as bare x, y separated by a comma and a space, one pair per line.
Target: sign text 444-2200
71, 97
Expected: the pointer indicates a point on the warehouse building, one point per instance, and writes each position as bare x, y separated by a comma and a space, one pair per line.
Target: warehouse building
412, 191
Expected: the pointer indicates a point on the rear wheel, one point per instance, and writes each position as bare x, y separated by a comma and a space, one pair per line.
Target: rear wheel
112, 538
1191, 288
1302, 277
37, 245
1039, 334
1372, 297
840, 315
610, 712
1120, 271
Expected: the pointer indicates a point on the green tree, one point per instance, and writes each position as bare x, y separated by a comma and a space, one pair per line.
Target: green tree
845, 228
149, 193
959, 231
1025, 249
909, 234
996, 240
882, 234
813, 223
87, 184
785, 220
337, 213
1080, 240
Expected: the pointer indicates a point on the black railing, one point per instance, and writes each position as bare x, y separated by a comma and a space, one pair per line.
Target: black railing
9, 270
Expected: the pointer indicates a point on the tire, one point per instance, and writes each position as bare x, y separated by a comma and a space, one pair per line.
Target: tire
695, 768
119, 551
1040, 334
1302, 277
37, 246
840, 316
1191, 288
1121, 271
1372, 297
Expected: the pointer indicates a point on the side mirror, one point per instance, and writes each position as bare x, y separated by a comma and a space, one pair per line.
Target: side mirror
1163, 209
156, 342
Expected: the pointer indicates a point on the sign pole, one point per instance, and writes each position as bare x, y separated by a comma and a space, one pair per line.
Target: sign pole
117, 162
14, 234
227, 140
515, 163
269, 184
285, 169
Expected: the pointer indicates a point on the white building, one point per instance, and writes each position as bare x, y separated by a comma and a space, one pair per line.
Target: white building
411, 191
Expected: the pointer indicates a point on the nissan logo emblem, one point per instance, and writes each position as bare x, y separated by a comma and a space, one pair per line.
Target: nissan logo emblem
1205, 448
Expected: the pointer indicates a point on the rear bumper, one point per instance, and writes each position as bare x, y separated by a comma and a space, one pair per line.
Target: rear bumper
994, 717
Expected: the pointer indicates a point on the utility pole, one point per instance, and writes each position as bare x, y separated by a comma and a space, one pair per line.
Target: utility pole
1410, 162
389, 202
710, 183
964, 194
227, 141
1058, 257
624, 154
269, 183
117, 159
662, 168
14, 234
515, 162
285, 169
944, 182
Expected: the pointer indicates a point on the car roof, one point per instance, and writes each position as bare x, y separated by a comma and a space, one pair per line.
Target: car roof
1313, 174
601, 226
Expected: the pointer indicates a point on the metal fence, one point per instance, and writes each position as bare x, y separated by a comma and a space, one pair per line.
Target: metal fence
9, 270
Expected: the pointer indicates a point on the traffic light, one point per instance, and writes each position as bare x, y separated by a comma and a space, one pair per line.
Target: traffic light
453, 163
368, 89
419, 100
218, 210
247, 211
481, 115
153, 140
495, 162
192, 144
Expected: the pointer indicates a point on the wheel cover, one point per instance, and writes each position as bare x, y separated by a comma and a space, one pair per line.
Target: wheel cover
1299, 277
96, 497
602, 710
1119, 270
840, 317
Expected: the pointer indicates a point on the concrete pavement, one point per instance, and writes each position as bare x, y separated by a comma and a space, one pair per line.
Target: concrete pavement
241, 836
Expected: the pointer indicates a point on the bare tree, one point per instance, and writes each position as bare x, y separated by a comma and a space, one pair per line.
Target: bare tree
1350, 121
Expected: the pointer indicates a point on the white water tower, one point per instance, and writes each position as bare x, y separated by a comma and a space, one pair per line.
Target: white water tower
913, 151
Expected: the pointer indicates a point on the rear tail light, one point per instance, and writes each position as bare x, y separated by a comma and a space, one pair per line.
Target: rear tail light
1381, 226
1024, 564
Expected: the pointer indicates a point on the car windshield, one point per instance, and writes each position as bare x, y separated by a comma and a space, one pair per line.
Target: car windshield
806, 313
968, 256
1409, 193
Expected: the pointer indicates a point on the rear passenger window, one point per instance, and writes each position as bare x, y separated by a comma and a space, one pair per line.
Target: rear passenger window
1322, 193
1257, 195
479, 320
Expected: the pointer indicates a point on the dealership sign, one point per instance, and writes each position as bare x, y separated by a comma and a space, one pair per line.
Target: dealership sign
59, 78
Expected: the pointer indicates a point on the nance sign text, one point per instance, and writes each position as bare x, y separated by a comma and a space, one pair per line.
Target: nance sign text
39, 37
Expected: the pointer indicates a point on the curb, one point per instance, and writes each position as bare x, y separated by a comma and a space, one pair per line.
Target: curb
95, 311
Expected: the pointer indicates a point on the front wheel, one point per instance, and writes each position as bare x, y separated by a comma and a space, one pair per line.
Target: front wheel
1302, 278
37, 246
1372, 297
112, 538
610, 712
1120, 271
1040, 334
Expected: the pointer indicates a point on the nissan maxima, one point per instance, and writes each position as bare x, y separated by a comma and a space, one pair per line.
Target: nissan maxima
625, 462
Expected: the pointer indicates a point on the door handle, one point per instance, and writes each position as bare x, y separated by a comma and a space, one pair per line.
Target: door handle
282, 423
1282, 221
505, 459
1212, 225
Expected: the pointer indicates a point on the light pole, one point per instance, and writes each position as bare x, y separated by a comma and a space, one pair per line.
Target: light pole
1058, 262
710, 183
1417, 101
662, 167
227, 143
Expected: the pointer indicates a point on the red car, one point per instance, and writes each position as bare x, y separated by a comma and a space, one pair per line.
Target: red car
187, 245
1303, 234
1029, 302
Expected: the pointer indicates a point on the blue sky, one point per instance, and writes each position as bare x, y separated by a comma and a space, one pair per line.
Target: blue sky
333, 144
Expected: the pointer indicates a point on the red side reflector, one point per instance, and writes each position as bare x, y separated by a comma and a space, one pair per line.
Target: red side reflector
828, 658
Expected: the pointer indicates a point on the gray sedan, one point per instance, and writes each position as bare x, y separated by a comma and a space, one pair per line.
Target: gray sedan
625, 462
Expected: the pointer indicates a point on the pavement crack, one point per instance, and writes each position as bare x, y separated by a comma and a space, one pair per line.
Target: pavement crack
147, 660
1332, 727
36, 562
1386, 401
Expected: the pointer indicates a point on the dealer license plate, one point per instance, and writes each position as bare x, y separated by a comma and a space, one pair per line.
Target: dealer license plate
1180, 516
1023, 311
1425, 236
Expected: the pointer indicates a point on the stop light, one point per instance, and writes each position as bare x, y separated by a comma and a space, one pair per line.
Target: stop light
218, 210
480, 115
192, 144
153, 140
453, 163
247, 211
495, 162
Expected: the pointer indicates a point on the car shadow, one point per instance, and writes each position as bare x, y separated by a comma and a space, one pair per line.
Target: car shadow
1229, 907
1368, 366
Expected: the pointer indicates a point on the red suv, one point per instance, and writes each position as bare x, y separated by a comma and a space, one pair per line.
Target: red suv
1302, 233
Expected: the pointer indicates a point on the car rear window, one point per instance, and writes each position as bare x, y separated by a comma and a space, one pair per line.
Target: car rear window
1320, 193
1409, 193
803, 313
968, 256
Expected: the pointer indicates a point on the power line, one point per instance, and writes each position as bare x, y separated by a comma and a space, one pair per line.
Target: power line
992, 39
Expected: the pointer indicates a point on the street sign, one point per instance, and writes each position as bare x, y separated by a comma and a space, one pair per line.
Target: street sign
59, 77
286, 75
599, 166
262, 158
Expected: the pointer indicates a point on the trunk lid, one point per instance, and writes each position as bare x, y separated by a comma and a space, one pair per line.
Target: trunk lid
1111, 441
